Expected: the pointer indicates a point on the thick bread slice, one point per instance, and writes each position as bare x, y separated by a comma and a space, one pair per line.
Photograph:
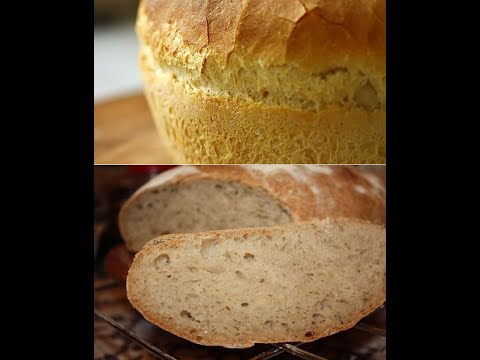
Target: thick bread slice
203, 198
235, 288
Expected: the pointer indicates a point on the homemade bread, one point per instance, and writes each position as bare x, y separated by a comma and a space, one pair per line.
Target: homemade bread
202, 198
266, 81
235, 288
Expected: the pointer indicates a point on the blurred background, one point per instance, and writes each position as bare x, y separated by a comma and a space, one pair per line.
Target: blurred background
115, 49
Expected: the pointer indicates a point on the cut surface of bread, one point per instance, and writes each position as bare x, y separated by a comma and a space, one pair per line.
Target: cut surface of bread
204, 198
235, 288
200, 205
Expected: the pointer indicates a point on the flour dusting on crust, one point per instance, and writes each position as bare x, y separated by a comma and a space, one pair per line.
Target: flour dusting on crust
169, 175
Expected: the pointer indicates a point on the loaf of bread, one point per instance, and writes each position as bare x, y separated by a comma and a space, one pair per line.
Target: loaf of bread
202, 198
235, 288
266, 81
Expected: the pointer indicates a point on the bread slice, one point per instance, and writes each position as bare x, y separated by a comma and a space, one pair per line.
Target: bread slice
234, 288
204, 198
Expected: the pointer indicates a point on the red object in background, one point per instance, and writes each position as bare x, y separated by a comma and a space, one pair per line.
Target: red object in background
149, 169
118, 261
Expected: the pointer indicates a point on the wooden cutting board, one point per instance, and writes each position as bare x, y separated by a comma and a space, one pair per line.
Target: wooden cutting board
124, 133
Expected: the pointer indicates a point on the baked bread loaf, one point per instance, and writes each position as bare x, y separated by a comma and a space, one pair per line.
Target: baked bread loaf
266, 81
202, 198
235, 288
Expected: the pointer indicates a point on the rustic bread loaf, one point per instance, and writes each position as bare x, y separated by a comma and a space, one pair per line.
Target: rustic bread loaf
201, 198
266, 81
235, 288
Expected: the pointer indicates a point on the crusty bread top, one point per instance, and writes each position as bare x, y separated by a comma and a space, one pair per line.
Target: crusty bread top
304, 55
305, 191
315, 34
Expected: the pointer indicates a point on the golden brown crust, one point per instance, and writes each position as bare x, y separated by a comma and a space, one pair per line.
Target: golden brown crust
172, 241
311, 33
200, 129
305, 191
266, 81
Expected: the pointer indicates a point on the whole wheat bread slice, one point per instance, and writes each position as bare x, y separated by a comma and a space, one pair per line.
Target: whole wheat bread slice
235, 288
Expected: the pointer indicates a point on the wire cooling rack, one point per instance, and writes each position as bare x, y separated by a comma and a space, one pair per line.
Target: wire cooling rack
293, 350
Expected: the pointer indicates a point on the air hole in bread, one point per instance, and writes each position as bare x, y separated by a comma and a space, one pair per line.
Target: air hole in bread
185, 313
162, 260
269, 323
265, 93
309, 333
239, 274
244, 304
262, 280
248, 256
227, 308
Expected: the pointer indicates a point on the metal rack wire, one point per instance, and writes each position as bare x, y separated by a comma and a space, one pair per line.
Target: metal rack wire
277, 349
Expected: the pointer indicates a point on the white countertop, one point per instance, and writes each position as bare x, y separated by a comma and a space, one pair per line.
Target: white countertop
115, 62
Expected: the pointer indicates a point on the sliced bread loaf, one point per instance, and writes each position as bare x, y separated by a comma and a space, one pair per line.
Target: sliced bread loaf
235, 288
202, 198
